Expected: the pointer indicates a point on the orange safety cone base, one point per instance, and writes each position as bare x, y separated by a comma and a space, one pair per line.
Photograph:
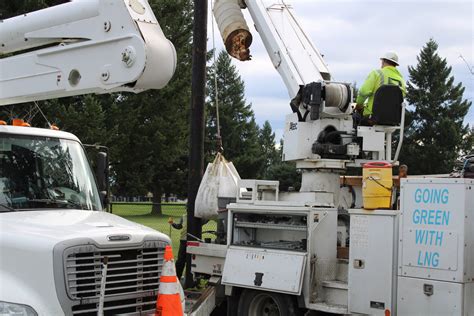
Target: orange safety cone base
169, 305
168, 302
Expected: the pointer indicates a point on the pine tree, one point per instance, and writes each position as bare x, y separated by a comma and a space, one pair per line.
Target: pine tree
435, 132
10, 9
239, 130
469, 138
285, 172
162, 115
85, 118
355, 90
271, 156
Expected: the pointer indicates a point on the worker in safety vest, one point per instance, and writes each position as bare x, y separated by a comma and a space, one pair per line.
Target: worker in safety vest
388, 74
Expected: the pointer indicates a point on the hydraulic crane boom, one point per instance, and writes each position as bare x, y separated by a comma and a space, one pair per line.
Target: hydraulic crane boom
83, 46
291, 51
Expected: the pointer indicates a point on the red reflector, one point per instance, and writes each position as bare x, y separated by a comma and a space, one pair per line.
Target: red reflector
194, 257
193, 243
387, 312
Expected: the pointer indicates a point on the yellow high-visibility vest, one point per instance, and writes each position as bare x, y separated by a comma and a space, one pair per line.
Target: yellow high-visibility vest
376, 78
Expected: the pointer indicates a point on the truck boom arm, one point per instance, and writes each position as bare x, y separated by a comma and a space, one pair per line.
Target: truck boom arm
291, 51
83, 46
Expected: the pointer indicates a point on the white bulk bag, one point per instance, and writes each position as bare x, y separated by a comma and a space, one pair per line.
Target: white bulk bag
220, 180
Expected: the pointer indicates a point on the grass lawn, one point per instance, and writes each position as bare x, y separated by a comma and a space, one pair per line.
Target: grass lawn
141, 213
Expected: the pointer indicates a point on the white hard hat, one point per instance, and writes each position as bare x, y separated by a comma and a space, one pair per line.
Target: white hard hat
391, 56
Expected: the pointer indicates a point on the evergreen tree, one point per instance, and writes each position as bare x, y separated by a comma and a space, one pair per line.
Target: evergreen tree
85, 117
82, 116
161, 129
355, 90
285, 172
271, 156
10, 9
436, 134
470, 141
239, 130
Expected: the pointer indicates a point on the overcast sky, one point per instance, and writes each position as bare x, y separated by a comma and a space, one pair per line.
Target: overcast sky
352, 35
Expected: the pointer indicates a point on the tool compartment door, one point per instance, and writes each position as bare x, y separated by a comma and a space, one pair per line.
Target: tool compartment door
271, 270
429, 297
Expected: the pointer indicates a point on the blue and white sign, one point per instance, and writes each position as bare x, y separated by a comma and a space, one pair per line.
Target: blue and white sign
433, 226
430, 239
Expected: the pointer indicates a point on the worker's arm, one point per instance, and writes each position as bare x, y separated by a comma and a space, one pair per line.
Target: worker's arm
367, 89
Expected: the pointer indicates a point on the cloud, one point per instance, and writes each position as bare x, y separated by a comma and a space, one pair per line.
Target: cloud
270, 109
259, 66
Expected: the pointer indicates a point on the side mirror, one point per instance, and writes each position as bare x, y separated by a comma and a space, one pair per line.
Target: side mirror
102, 175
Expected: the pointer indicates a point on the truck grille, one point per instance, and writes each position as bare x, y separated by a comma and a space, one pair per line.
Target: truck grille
131, 284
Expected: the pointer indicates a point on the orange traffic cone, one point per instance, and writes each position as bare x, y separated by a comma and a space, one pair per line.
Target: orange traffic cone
168, 302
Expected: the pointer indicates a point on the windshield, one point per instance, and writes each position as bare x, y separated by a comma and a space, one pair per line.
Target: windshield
45, 173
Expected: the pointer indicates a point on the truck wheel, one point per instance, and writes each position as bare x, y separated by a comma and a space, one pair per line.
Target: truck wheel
260, 303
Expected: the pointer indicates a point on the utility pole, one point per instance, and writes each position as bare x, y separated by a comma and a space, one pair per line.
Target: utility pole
196, 135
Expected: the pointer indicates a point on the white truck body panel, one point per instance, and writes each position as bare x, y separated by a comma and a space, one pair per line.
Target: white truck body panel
207, 258
278, 271
436, 257
299, 137
447, 298
373, 257
319, 225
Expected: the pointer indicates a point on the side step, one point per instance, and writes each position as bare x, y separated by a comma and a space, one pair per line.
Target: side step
327, 308
335, 293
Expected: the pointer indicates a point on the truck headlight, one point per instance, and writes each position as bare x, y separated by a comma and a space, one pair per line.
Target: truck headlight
12, 309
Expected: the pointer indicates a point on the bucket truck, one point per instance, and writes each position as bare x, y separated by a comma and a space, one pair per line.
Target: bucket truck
55, 239
318, 250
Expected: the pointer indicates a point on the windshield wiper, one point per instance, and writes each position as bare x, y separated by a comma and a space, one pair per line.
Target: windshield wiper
57, 201
8, 208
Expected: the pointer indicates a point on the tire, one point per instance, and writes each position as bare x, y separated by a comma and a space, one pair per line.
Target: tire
261, 303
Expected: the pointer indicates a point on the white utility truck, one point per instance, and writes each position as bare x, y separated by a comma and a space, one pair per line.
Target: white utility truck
60, 253
286, 252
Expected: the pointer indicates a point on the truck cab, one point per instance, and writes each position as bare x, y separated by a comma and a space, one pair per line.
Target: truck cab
56, 239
